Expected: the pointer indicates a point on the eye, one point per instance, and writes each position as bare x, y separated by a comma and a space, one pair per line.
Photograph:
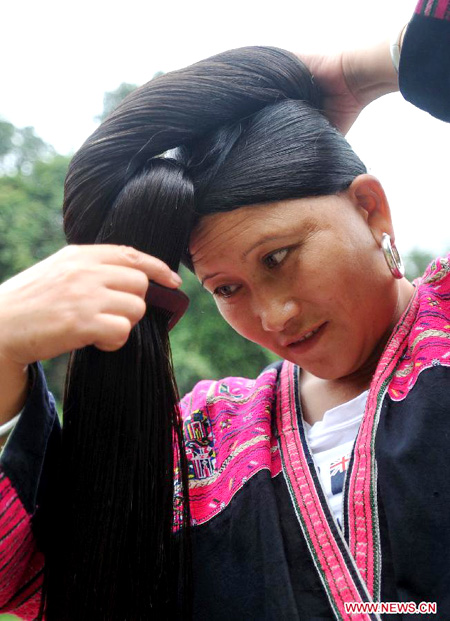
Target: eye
225, 291
275, 258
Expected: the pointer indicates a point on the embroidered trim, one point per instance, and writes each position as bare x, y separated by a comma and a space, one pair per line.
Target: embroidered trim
329, 552
437, 270
360, 491
405, 356
439, 9
429, 339
211, 400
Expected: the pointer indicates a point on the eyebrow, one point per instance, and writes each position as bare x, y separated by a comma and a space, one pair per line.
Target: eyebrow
263, 240
208, 276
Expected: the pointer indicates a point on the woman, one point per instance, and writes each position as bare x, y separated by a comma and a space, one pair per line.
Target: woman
313, 278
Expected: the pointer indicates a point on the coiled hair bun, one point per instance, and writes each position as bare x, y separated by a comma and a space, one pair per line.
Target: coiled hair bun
170, 111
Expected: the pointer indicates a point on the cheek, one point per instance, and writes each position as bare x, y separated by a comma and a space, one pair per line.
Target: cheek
239, 319
365, 300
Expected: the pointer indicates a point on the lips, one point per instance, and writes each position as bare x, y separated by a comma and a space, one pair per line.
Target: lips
305, 337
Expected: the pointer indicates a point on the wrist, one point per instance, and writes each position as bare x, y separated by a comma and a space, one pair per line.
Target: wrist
14, 382
370, 73
396, 47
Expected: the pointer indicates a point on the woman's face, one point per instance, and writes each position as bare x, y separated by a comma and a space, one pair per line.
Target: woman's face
305, 278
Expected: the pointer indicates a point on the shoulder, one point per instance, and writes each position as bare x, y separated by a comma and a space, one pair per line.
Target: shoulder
228, 439
437, 271
235, 392
428, 341
433, 297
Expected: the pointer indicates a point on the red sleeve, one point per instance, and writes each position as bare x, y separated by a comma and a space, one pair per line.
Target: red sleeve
21, 563
29, 466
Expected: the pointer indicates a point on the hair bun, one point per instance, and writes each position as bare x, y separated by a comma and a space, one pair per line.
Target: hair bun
265, 75
170, 111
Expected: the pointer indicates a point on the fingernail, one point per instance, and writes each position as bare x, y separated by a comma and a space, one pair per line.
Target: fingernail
176, 279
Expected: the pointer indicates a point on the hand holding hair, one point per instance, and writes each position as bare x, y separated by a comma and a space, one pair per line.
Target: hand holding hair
81, 295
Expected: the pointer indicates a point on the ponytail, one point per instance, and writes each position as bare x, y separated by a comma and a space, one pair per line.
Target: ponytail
120, 555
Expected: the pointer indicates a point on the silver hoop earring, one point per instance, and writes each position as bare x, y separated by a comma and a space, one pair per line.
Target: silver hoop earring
392, 257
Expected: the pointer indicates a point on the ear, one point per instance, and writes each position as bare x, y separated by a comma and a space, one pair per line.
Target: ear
367, 193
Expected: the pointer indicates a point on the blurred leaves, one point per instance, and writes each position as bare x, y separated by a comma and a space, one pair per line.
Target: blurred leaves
20, 149
416, 262
30, 215
112, 99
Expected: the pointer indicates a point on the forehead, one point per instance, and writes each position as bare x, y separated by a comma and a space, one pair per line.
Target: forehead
219, 228
240, 229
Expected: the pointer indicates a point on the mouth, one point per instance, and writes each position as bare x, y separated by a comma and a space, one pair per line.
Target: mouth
307, 340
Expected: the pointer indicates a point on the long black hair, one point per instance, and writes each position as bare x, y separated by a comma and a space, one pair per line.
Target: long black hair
243, 127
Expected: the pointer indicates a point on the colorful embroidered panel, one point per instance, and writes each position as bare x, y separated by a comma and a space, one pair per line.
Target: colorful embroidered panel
360, 493
227, 431
429, 340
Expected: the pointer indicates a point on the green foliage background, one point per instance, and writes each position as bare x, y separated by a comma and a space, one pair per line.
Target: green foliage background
31, 192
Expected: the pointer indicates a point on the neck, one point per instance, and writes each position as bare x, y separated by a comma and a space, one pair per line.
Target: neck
319, 395
362, 377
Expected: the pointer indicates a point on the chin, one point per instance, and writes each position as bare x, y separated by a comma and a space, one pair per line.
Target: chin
318, 370
327, 374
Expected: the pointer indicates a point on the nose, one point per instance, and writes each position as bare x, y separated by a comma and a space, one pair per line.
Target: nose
275, 314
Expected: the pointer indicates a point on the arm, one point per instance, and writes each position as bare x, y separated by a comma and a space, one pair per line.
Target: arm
82, 295
13, 388
14, 382
352, 79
